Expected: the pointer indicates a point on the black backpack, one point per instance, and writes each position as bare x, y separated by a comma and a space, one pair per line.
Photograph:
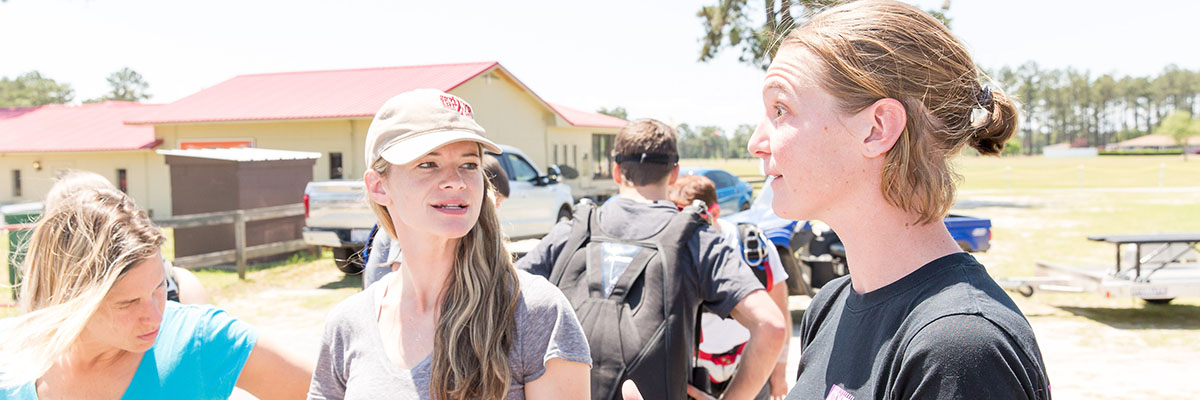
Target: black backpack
637, 324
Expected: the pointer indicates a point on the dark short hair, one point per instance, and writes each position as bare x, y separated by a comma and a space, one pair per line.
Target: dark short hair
495, 174
646, 136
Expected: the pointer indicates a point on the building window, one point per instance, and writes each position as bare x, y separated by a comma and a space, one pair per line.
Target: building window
575, 156
602, 146
335, 165
122, 180
556, 154
16, 179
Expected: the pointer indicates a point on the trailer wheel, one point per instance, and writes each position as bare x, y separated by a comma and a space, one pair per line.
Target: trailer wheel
1159, 301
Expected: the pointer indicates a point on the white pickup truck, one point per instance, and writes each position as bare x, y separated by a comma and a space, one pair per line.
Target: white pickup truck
337, 216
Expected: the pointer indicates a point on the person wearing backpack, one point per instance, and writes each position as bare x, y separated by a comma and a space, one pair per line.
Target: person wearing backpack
722, 339
637, 271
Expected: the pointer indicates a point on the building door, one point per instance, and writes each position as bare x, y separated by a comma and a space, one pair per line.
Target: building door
602, 146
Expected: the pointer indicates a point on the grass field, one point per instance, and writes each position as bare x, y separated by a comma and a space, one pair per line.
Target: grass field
1041, 209
1017, 173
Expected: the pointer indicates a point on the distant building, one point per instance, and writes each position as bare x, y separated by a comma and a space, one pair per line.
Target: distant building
318, 111
1064, 150
1156, 142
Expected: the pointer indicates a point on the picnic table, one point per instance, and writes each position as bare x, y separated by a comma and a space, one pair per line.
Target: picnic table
1158, 276
1163, 242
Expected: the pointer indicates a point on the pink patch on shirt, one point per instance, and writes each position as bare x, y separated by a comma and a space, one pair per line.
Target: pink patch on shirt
837, 393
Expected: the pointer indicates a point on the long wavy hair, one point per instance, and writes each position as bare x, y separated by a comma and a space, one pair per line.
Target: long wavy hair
79, 249
476, 324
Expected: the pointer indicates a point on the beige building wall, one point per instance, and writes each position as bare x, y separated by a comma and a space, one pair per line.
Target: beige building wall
139, 166
513, 116
509, 114
574, 148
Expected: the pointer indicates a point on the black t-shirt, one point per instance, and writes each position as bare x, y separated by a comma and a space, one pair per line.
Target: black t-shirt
945, 331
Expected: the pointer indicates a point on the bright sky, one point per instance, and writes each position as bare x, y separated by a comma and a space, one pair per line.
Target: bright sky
584, 54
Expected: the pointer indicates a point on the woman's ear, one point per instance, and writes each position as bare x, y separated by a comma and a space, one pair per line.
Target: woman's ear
375, 188
887, 121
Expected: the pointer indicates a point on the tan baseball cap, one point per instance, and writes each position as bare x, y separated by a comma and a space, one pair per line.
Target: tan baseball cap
414, 123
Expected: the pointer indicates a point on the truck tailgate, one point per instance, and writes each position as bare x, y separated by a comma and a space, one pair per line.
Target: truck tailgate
337, 204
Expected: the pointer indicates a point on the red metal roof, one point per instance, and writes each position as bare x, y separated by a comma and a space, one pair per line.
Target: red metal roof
88, 127
345, 93
1156, 140
584, 118
310, 94
9, 112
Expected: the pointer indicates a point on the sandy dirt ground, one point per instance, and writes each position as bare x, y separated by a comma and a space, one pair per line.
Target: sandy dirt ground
1086, 358
1094, 348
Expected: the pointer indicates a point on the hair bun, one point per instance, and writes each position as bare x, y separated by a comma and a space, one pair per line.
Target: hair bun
999, 126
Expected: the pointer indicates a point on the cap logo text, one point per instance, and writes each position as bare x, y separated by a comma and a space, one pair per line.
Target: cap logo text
457, 105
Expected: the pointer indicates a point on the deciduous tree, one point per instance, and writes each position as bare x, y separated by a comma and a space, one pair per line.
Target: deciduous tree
32, 89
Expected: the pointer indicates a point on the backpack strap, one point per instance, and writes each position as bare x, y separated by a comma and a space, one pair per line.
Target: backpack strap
365, 253
581, 231
752, 246
680, 230
754, 252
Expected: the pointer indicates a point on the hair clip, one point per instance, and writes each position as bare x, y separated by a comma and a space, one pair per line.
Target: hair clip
984, 99
984, 109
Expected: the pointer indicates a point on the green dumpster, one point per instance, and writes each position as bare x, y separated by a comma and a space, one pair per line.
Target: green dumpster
18, 220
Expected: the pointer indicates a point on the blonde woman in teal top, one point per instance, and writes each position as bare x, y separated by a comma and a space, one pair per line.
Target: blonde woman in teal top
96, 323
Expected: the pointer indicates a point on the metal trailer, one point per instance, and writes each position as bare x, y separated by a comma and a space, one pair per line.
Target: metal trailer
1168, 270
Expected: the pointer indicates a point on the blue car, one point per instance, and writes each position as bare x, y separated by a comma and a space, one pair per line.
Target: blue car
733, 193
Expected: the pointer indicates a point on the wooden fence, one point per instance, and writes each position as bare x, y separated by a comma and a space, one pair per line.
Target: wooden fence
240, 252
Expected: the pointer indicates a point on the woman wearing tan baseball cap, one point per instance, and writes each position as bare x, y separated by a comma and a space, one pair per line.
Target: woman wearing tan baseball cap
455, 320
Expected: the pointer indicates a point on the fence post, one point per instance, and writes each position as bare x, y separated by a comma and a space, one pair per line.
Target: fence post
1081, 176
1162, 170
1007, 177
239, 242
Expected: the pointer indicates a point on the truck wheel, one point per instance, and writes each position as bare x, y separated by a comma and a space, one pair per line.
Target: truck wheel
564, 214
347, 260
966, 247
822, 271
798, 280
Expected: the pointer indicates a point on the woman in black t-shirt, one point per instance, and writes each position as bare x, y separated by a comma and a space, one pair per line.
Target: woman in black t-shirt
865, 104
